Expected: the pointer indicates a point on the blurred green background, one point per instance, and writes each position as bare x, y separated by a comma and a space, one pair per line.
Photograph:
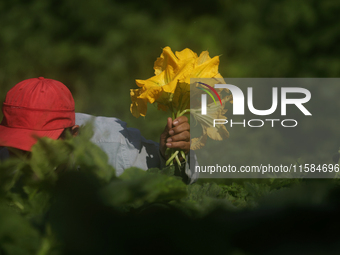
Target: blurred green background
99, 47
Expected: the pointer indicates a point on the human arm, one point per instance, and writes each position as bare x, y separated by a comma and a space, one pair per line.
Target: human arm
126, 147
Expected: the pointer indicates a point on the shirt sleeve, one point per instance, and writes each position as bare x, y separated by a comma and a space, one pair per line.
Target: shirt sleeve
126, 147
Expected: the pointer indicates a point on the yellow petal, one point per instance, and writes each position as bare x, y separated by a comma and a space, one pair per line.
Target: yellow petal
158, 80
167, 58
151, 94
218, 75
206, 70
186, 54
138, 106
204, 56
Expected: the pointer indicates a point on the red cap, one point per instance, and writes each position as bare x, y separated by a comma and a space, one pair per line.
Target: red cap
34, 108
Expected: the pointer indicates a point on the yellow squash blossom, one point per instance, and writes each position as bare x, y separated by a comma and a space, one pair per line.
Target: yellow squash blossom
204, 67
170, 89
169, 69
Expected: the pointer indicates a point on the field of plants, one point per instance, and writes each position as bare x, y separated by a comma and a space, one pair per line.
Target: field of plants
65, 199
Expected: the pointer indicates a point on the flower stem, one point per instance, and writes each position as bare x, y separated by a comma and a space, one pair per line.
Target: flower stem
183, 112
177, 159
171, 158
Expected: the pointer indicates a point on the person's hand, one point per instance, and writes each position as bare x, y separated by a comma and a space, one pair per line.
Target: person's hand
176, 135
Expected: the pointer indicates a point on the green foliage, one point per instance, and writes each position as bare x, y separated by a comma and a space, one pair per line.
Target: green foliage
136, 188
64, 198
16, 233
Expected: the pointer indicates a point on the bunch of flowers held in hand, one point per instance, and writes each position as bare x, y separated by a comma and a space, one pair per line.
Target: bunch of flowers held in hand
169, 88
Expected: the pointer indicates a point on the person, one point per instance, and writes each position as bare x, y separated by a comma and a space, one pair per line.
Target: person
40, 107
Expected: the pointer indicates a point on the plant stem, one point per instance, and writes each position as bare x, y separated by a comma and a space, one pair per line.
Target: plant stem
183, 112
171, 158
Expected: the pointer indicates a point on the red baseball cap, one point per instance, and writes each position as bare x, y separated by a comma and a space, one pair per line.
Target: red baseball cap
34, 108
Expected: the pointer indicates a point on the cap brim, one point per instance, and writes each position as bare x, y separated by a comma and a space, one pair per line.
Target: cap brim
24, 139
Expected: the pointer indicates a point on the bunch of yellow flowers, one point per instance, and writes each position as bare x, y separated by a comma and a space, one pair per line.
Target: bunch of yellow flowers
170, 86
